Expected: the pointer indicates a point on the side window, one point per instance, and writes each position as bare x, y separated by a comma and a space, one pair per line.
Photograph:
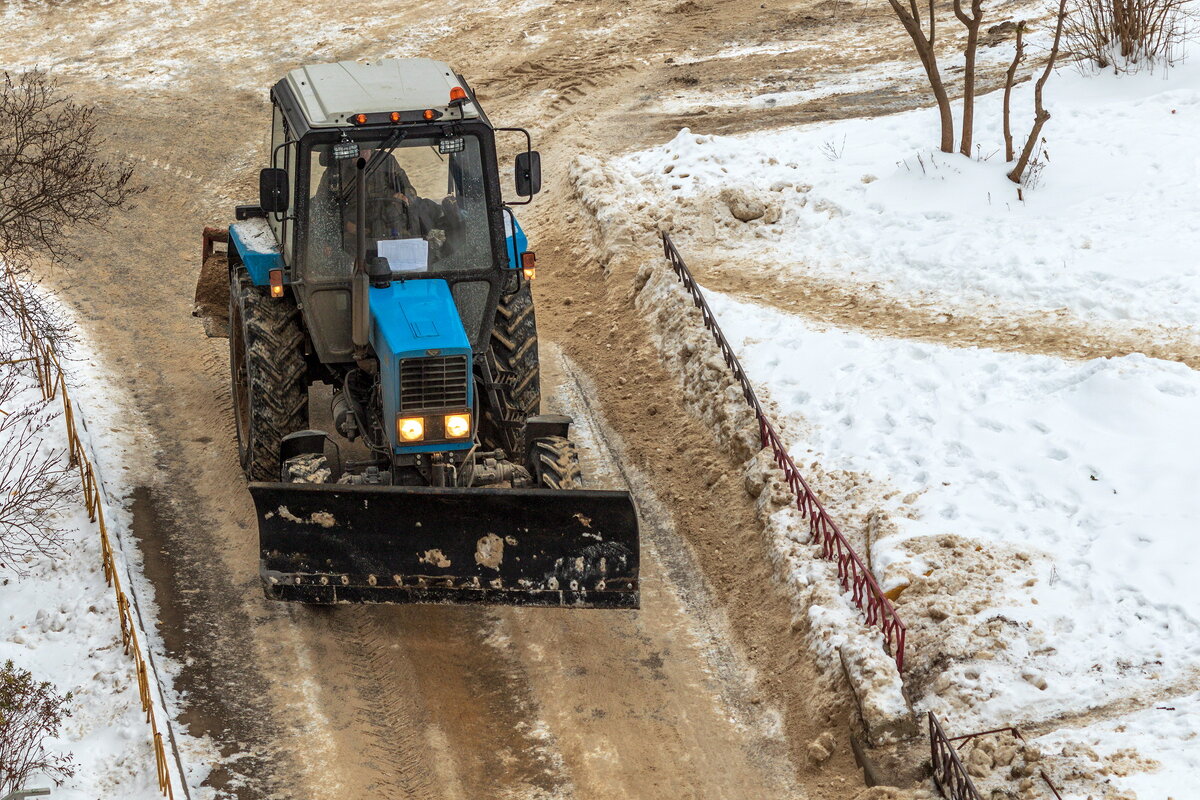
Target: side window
281, 158
278, 137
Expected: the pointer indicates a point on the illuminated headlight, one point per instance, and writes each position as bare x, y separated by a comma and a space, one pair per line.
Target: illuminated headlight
344, 150
451, 144
411, 429
458, 426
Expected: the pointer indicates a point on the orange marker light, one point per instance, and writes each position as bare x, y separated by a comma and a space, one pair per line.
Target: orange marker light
458, 93
395, 116
428, 113
276, 276
360, 119
529, 264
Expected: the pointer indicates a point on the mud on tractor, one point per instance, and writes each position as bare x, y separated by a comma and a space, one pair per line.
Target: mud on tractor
381, 260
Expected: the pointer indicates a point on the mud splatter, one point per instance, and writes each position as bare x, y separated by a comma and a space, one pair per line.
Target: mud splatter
489, 551
436, 558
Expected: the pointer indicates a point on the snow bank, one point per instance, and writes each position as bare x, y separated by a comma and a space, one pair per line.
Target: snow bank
865, 201
59, 618
838, 633
1043, 510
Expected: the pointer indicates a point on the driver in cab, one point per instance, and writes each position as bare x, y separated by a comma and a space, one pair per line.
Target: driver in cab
394, 208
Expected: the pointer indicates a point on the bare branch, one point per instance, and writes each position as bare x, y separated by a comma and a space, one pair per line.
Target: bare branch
51, 174
1040, 115
1009, 79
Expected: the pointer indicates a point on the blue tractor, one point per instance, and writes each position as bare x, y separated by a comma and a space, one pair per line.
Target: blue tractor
382, 260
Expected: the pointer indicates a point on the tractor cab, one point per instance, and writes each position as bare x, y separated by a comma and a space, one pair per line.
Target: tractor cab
427, 171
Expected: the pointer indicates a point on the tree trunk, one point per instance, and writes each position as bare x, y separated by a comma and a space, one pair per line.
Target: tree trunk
1041, 115
971, 23
1009, 78
910, 18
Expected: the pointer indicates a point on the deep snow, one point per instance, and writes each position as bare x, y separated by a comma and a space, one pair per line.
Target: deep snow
1105, 233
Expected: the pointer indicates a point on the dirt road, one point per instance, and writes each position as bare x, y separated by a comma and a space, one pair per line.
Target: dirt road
707, 691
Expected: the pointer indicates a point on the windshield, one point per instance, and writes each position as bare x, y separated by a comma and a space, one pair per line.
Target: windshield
425, 210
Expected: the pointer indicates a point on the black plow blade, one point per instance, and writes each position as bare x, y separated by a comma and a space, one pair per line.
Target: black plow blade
397, 544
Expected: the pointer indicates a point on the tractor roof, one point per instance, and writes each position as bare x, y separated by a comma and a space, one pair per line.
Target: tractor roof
330, 93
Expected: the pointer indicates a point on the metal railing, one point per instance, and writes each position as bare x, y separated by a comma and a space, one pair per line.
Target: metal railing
52, 382
852, 573
949, 774
968, 737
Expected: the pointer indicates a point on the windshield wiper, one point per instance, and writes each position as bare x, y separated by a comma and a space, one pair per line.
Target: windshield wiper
385, 150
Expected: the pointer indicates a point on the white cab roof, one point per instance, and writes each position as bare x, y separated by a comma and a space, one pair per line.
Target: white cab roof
329, 93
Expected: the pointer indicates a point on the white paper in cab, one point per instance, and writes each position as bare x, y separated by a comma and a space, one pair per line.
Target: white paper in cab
405, 255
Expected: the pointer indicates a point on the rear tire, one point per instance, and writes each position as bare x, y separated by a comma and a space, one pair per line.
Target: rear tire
269, 371
514, 351
555, 463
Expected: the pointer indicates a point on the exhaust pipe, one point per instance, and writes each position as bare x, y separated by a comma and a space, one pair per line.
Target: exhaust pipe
360, 309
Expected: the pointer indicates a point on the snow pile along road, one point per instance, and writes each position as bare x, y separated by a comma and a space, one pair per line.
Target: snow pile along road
58, 617
837, 630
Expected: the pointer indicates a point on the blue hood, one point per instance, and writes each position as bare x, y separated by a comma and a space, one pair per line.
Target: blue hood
414, 319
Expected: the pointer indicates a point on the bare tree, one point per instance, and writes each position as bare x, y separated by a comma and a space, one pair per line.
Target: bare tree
1118, 33
51, 173
30, 713
47, 324
910, 18
1040, 115
971, 22
35, 486
1009, 79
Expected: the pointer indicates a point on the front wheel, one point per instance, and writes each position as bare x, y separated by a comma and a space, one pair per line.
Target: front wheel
514, 359
554, 461
269, 371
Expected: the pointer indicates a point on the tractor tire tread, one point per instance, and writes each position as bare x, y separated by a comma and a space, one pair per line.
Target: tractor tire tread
556, 463
274, 341
514, 353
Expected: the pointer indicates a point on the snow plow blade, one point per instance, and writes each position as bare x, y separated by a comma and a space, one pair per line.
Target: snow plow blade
398, 544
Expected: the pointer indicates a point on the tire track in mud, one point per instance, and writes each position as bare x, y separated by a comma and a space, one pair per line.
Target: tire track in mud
448, 714
395, 749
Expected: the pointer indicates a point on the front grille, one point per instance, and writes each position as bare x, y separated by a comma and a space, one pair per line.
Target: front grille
434, 382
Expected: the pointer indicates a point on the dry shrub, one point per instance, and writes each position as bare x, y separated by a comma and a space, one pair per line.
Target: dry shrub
1127, 34
36, 482
52, 173
36, 486
30, 713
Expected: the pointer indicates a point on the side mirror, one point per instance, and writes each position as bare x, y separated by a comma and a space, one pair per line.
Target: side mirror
273, 190
528, 178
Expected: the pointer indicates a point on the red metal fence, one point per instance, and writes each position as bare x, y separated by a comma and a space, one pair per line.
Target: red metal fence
853, 574
949, 774
968, 737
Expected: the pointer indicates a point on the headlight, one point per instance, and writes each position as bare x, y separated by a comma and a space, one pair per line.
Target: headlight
411, 429
458, 426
